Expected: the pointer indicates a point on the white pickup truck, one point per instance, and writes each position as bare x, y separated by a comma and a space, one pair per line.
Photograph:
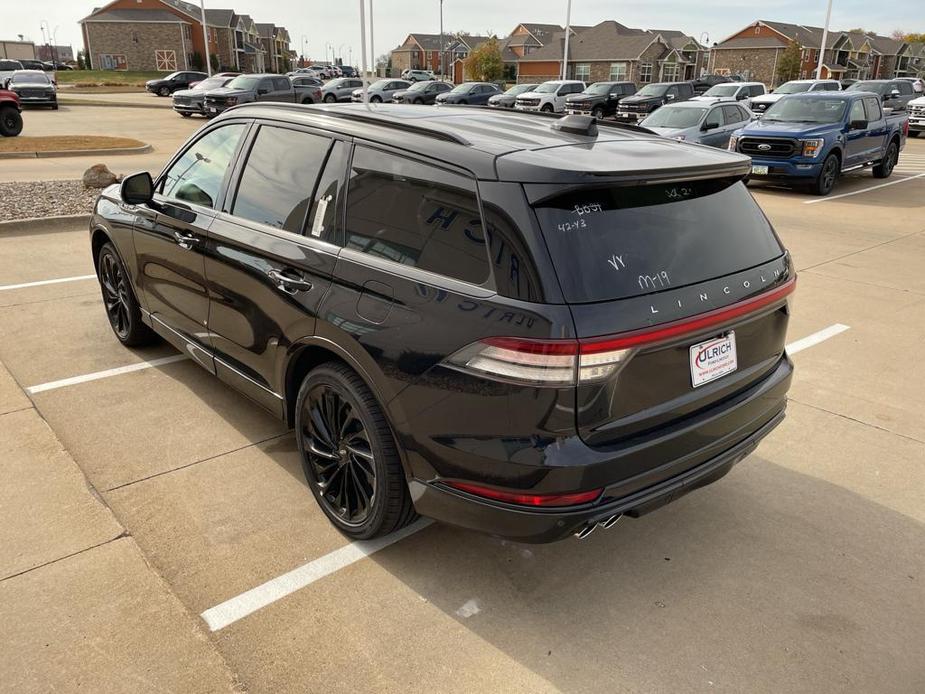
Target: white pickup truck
549, 96
916, 116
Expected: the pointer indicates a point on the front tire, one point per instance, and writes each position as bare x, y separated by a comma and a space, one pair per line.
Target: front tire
375, 99
885, 166
122, 309
598, 113
10, 122
163, 91
547, 108
329, 98
828, 175
185, 114
349, 455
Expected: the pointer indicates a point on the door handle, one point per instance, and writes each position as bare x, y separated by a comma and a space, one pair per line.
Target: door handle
288, 284
186, 241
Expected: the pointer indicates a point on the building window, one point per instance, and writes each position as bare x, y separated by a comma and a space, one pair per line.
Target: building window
583, 72
618, 72
670, 72
645, 73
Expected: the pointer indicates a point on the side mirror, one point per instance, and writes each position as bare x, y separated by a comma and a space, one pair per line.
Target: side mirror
710, 125
857, 125
894, 94
669, 97
137, 189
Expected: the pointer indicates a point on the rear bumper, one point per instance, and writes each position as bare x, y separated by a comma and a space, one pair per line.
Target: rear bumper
744, 424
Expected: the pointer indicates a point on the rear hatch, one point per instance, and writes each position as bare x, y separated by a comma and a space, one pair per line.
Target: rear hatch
678, 293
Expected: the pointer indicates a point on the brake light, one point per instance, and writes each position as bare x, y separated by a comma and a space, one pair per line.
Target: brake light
522, 499
559, 363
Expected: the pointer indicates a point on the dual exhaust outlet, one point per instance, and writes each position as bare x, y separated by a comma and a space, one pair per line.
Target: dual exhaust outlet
606, 524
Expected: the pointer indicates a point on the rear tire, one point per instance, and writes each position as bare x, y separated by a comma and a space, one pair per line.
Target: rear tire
10, 122
122, 308
885, 166
349, 455
828, 175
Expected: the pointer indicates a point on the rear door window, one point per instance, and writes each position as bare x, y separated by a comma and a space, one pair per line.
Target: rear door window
415, 214
734, 114
279, 177
874, 112
619, 242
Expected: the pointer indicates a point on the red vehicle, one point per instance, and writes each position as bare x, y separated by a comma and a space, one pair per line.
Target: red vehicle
10, 114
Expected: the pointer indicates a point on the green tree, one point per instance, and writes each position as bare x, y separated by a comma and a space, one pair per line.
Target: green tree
485, 63
789, 63
914, 38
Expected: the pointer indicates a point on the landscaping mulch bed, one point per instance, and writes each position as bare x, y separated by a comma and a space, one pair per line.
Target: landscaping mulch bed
65, 143
21, 200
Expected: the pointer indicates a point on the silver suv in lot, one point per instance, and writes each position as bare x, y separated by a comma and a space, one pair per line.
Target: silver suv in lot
549, 97
340, 89
417, 75
380, 91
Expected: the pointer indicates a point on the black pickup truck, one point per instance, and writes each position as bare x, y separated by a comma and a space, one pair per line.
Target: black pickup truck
244, 89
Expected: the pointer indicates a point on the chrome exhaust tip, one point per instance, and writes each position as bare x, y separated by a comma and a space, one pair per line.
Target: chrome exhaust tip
612, 521
585, 531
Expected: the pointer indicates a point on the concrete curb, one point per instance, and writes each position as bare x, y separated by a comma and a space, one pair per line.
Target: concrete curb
61, 223
77, 152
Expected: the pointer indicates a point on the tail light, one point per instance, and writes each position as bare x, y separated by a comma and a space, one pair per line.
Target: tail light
558, 363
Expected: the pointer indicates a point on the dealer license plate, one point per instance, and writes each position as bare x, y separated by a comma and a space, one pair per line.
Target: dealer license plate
712, 359
212, 109
760, 170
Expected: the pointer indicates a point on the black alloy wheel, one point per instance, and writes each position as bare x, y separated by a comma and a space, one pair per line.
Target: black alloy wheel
827, 176
348, 454
163, 91
885, 167
119, 301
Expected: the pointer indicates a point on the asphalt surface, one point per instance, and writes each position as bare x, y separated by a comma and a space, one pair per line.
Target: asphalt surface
137, 499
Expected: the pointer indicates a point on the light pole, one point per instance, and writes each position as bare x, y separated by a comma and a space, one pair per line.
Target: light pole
442, 46
568, 22
825, 37
205, 36
372, 43
304, 41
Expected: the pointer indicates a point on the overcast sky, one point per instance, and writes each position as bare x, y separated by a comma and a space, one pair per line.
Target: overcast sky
337, 22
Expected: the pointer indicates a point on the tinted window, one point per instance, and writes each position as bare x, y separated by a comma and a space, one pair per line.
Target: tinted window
756, 90
905, 87
415, 214
322, 218
197, 175
673, 90
279, 177
281, 84
874, 112
608, 243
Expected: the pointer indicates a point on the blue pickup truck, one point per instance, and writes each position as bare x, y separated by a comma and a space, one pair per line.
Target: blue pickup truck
812, 138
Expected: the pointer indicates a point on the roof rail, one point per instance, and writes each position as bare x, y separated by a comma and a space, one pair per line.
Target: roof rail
360, 117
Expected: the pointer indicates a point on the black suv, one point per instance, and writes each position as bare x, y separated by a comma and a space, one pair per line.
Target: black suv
165, 86
599, 99
476, 315
636, 107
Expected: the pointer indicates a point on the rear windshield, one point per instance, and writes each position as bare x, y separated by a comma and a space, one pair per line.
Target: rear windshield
621, 242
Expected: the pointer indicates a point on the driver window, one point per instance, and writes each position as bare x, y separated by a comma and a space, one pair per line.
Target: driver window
857, 111
716, 116
197, 176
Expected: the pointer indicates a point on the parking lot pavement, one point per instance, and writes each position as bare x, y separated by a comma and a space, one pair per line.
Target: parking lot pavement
799, 571
163, 129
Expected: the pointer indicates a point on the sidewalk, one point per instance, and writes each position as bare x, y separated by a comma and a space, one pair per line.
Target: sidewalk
80, 608
128, 99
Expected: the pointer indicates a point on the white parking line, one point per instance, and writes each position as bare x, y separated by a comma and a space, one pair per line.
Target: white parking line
241, 606
8, 287
74, 380
863, 190
816, 338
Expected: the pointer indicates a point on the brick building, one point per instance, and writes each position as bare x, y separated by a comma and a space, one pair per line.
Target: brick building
754, 52
166, 35
610, 51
